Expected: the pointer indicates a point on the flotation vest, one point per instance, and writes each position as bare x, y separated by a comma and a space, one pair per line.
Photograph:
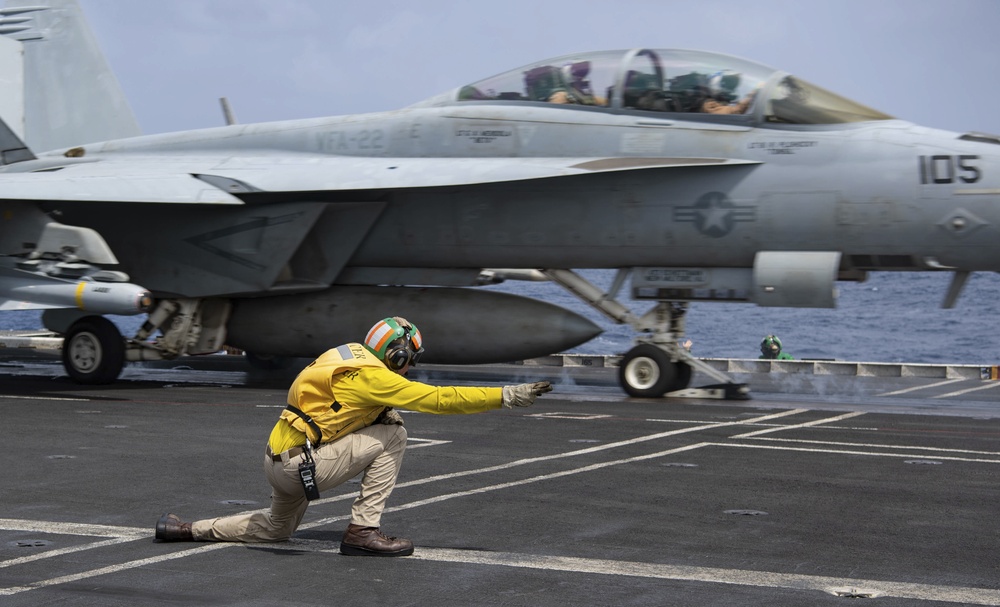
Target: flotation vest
312, 404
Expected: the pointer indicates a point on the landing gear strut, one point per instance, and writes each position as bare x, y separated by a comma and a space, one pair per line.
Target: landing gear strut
658, 364
94, 351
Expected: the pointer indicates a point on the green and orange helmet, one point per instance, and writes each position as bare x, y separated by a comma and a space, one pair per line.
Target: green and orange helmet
396, 342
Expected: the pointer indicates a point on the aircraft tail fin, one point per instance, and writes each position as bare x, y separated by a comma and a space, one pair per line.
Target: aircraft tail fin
12, 149
71, 96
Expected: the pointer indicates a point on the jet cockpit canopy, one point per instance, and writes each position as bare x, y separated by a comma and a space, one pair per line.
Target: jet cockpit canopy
670, 81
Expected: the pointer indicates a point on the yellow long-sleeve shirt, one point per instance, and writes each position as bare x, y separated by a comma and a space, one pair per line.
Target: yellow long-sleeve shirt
363, 387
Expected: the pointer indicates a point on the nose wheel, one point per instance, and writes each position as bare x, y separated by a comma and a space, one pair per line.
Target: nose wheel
658, 364
646, 371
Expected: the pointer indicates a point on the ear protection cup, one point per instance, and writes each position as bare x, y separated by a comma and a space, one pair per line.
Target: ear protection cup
398, 354
395, 341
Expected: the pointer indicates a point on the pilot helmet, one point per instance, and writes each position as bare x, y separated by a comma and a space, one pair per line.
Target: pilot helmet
770, 346
576, 70
575, 74
722, 85
396, 342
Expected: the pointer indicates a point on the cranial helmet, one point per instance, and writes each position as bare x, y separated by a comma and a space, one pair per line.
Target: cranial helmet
770, 346
575, 76
576, 70
722, 85
396, 342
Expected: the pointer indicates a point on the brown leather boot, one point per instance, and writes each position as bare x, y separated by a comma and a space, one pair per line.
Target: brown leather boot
170, 528
370, 541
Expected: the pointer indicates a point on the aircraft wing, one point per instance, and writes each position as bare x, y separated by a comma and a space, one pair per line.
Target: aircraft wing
161, 188
225, 181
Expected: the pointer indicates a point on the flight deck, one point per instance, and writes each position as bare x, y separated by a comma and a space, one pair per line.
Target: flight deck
818, 490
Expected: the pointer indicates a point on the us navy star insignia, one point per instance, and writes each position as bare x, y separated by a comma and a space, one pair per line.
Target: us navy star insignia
714, 214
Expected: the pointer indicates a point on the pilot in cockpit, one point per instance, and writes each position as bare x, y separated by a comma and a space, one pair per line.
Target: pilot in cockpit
576, 87
722, 92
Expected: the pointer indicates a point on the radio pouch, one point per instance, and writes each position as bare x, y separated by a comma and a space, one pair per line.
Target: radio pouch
307, 474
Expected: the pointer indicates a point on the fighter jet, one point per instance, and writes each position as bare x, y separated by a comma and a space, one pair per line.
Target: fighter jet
697, 176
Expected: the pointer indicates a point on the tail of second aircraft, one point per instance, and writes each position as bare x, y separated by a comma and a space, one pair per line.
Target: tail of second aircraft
70, 95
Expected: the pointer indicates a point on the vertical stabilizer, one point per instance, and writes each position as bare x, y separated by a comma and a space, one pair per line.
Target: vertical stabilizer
12, 84
12, 149
71, 96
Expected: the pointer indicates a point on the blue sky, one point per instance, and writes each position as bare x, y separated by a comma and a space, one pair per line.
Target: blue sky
932, 62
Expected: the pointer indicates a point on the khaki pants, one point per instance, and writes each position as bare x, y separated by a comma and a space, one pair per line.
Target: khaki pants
377, 450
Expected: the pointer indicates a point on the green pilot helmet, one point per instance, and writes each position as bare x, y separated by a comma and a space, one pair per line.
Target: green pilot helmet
770, 346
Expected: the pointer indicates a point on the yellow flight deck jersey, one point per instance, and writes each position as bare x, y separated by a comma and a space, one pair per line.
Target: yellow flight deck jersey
348, 387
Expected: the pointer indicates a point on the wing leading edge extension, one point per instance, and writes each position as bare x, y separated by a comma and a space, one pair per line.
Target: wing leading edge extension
208, 181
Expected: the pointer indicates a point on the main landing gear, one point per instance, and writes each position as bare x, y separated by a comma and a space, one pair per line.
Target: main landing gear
657, 365
94, 350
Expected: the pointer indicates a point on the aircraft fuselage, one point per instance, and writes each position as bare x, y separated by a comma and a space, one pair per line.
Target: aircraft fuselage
889, 195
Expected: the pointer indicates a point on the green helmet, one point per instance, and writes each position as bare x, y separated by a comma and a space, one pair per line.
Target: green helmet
770, 346
396, 342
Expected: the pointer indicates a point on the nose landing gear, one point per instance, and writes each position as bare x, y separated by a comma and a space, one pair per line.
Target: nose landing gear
658, 365
646, 371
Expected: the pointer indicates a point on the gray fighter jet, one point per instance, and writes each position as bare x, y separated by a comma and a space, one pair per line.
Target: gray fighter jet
697, 176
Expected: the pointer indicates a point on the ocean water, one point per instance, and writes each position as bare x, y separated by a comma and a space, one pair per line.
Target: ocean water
892, 317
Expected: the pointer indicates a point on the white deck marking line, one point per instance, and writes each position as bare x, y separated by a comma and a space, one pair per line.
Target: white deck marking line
876, 446
564, 415
712, 575
507, 485
598, 448
19, 397
424, 442
680, 573
117, 535
61, 551
543, 458
81, 529
915, 388
846, 452
966, 391
19, 524
817, 422
694, 421
218, 546
76, 577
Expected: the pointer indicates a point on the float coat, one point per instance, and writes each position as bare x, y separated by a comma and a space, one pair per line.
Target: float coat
348, 387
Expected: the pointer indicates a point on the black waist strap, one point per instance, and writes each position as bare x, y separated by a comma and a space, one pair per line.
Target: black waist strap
276, 457
308, 420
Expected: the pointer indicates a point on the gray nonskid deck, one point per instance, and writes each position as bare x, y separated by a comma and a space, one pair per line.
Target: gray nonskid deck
806, 494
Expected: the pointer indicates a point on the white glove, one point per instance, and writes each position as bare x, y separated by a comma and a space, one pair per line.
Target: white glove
523, 395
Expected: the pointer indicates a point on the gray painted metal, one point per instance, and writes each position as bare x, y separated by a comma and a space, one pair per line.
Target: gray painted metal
12, 80
462, 325
71, 96
801, 188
